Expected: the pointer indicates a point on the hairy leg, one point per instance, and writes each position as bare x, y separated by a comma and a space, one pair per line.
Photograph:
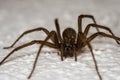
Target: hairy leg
61, 50
58, 30
80, 21
102, 34
98, 26
95, 62
26, 32
36, 59
26, 45
81, 42
90, 47
75, 53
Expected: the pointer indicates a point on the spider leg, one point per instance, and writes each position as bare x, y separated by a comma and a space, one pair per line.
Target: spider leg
90, 47
89, 39
58, 30
98, 26
26, 45
81, 39
95, 62
26, 32
59, 37
80, 21
81, 42
36, 59
75, 53
61, 49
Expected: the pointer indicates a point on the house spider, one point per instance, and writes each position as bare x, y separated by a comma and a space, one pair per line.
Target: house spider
69, 43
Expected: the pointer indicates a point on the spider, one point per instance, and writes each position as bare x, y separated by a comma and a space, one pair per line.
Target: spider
69, 44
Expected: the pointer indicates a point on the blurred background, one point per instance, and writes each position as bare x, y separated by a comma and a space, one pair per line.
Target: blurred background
17, 16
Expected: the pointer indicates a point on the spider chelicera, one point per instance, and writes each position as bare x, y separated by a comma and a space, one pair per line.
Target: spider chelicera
69, 44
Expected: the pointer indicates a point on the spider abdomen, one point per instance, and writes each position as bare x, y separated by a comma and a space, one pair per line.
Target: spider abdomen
69, 35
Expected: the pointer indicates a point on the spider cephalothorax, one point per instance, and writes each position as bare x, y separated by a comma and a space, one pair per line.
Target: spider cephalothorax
69, 43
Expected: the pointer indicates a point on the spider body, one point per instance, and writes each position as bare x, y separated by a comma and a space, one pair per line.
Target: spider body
68, 44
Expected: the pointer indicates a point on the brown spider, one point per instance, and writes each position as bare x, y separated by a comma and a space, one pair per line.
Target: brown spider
69, 43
